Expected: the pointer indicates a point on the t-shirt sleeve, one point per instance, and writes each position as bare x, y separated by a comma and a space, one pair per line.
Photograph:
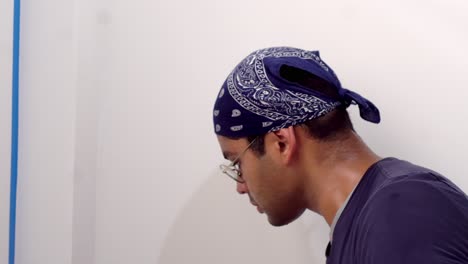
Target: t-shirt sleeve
412, 222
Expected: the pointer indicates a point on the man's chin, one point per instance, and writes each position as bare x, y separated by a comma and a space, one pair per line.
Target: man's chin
281, 221
275, 221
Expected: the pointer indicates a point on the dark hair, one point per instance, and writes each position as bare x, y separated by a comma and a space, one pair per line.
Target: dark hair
330, 127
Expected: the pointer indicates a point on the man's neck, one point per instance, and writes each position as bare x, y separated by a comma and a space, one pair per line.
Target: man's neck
334, 176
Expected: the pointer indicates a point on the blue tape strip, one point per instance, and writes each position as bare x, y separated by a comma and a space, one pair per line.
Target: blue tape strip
14, 131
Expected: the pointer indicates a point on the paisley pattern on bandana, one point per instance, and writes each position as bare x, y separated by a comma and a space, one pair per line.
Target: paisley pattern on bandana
250, 87
256, 98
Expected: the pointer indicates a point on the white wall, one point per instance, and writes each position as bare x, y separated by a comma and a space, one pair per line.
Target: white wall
91, 63
168, 59
117, 155
47, 132
6, 47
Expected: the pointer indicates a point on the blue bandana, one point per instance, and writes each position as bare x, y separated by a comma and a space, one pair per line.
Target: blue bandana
255, 99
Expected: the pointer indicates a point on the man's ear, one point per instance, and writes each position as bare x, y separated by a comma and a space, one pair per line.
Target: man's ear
285, 143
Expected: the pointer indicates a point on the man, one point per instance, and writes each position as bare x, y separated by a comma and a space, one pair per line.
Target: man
281, 120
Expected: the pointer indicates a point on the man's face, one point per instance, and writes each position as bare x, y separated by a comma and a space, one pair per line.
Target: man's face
270, 185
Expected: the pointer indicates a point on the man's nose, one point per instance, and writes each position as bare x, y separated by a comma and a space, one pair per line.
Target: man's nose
242, 188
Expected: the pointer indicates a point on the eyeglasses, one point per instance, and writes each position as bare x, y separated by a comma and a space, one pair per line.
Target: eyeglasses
233, 170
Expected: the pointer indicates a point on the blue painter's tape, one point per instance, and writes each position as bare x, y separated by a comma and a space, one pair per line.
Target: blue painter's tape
14, 130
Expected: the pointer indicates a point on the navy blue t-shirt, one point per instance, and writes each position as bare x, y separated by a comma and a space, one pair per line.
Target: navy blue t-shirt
401, 213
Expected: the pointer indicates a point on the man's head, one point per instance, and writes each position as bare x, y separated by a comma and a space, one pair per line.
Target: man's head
281, 100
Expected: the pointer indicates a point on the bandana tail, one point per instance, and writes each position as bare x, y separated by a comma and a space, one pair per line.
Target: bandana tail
367, 110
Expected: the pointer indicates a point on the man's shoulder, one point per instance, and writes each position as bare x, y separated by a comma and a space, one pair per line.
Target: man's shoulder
410, 216
424, 190
398, 174
415, 204
399, 191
